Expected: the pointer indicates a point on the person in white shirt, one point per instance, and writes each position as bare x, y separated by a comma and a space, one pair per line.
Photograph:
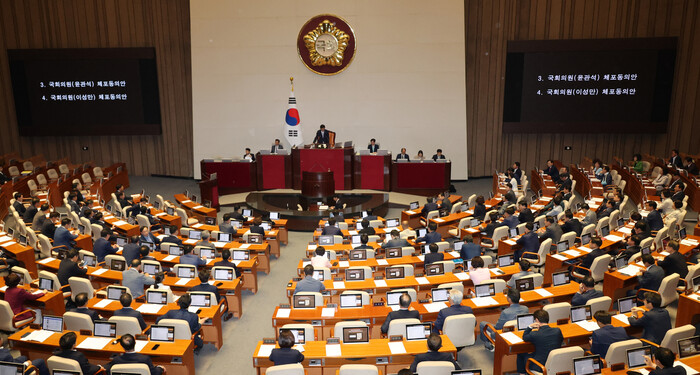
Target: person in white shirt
676, 216
320, 259
666, 205
407, 231
477, 272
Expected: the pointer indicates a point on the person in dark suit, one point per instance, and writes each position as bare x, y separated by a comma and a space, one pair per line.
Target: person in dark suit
433, 256
402, 313
204, 285
675, 262
552, 171
586, 292
509, 218
129, 356
517, 172
125, 299
480, 208
19, 207
248, 155
664, 363
173, 236
543, 337
675, 159
571, 224
403, 155
367, 229
395, 241
31, 211
429, 206
73, 203
147, 236
551, 230
434, 344
256, 227
564, 183
445, 203
364, 239
132, 249
3, 177
455, 308
226, 262
276, 147
81, 301
633, 242
322, 136
48, 228
656, 321
373, 147
438, 155
6, 356
192, 319
678, 193
654, 220
40, 217
606, 179
189, 258
596, 251
331, 229
525, 214
285, 355
607, 334
67, 344
691, 167
102, 247
649, 279
225, 225
470, 248
432, 236
69, 268
509, 197
527, 243
492, 224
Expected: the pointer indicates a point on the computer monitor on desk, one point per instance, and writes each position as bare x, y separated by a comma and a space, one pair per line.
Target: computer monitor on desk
392, 298
157, 297
52, 323
354, 274
325, 240
588, 365
434, 269
580, 313
358, 254
524, 321
350, 300
304, 301
635, 357
11, 368
299, 335
162, 333
394, 273
418, 331
355, 335
440, 294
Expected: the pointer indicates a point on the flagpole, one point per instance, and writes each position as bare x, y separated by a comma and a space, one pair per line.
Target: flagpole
291, 81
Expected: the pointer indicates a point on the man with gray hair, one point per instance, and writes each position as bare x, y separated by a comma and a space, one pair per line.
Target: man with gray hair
205, 240
455, 308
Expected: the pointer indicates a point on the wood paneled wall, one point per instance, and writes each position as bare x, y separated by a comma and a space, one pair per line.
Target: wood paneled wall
490, 23
163, 24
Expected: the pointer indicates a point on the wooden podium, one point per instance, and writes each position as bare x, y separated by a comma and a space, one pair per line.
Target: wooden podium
317, 184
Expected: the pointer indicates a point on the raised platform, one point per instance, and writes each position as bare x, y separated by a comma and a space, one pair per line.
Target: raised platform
288, 205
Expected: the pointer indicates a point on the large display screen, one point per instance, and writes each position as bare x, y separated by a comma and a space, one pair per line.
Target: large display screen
588, 86
95, 91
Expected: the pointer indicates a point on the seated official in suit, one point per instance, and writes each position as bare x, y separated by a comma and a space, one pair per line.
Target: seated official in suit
632, 248
433, 256
148, 237
48, 228
690, 166
102, 247
63, 235
285, 355
191, 318
331, 229
373, 147
602, 338
145, 253
455, 308
551, 230
596, 251
320, 259
248, 155
470, 248
19, 207
664, 363
16, 297
173, 236
675, 261
655, 320
480, 208
70, 267
509, 218
606, 178
525, 214
571, 224
527, 243
675, 160
29, 214
205, 241
432, 236
524, 267
591, 217
552, 171
430, 205
509, 197
322, 136
125, 299
308, 283
654, 219
226, 262
543, 337
434, 344
129, 356
445, 203
337, 203
3, 177
276, 146
557, 206
403, 155
395, 241
81, 301
225, 225
478, 273
6, 356
366, 228
678, 193
73, 203
438, 155
509, 313
650, 278
586, 292
257, 226
40, 217
491, 224
135, 280
204, 285
404, 312
190, 258
67, 345
364, 239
